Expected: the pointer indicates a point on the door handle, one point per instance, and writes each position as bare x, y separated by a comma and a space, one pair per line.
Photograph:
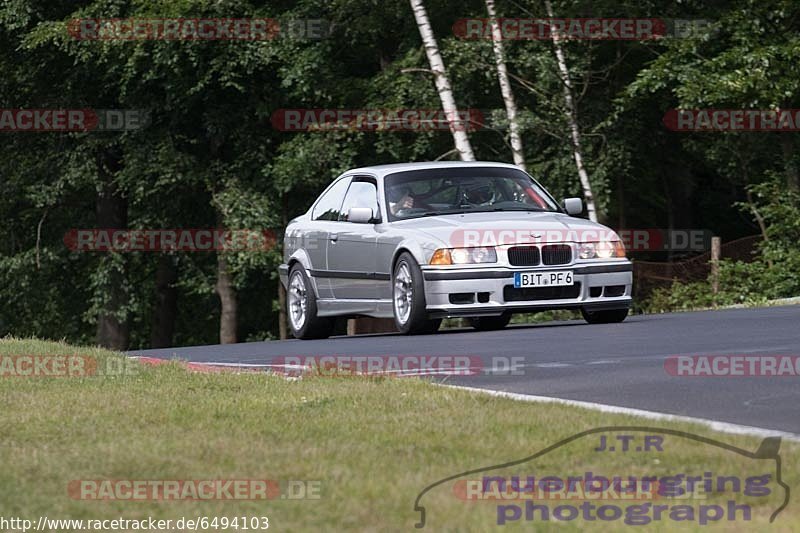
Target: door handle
334, 237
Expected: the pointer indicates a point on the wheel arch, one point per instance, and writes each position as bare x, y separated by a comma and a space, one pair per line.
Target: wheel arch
301, 258
412, 248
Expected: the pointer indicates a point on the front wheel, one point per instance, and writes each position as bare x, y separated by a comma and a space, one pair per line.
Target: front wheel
301, 306
408, 298
611, 316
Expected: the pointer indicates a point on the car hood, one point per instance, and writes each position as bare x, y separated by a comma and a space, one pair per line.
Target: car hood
487, 229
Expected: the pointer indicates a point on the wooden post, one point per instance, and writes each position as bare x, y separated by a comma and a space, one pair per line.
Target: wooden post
716, 246
282, 330
357, 326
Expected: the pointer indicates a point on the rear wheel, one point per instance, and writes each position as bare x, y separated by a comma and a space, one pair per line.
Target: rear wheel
489, 323
408, 298
610, 316
301, 306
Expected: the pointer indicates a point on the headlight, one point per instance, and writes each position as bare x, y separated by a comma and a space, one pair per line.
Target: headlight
601, 250
463, 256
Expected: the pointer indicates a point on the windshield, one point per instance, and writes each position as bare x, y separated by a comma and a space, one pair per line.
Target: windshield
431, 192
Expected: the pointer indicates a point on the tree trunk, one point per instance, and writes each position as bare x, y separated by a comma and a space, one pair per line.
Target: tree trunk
166, 305
620, 196
667, 186
283, 330
792, 174
457, 126
572, 117
227, 297
505, 88
225, 289
111, 208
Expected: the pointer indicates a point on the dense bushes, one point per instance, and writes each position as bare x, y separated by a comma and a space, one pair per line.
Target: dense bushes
775, 272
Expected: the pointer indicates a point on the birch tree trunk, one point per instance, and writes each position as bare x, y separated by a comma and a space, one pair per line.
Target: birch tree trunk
457, 125
505, 87
572, 117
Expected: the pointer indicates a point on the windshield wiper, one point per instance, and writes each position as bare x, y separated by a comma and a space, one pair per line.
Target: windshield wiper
438, 213
465, 211
491, 209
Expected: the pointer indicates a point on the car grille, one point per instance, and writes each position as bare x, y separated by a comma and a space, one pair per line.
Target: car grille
556, 254
511, 294
523, 256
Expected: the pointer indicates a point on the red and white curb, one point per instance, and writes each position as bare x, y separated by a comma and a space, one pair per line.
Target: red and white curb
292, 371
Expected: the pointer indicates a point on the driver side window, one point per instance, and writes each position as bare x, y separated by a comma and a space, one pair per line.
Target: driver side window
327, 207
362, 193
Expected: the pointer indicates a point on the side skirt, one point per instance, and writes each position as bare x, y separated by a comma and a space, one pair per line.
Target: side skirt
372, 308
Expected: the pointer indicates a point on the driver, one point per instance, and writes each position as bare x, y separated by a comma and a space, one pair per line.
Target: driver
479, 195
400, 199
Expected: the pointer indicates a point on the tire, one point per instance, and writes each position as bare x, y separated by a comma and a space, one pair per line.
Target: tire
490, 323
304, 324
611, 316
408, 298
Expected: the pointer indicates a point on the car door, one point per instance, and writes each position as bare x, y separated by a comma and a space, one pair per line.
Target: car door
352, 246
324, 220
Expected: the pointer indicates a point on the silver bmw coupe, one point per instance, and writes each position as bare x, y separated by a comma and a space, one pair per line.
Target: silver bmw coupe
424, 241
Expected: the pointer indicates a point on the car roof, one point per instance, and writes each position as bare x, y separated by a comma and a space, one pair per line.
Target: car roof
383, 170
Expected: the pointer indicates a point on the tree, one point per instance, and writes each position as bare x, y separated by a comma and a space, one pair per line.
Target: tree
510, 104
458, 127
572, 117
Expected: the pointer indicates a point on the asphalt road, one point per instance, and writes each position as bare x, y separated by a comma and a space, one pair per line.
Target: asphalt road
616, 364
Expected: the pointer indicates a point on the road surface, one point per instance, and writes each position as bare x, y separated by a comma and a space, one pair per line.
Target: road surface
615, 364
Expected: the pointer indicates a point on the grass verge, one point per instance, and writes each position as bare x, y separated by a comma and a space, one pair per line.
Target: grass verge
371, 444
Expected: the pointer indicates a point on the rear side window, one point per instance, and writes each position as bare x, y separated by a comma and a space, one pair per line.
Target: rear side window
362, 193
329, 204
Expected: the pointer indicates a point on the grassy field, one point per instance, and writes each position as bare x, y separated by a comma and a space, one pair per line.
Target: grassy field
370, 445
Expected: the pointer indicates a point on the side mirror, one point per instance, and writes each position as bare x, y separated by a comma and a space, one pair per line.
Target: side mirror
359, 215
573, 206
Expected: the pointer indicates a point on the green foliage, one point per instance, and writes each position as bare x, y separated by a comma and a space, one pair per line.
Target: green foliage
775, 272
209, 157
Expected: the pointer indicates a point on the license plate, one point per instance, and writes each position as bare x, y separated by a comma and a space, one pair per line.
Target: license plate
558, 278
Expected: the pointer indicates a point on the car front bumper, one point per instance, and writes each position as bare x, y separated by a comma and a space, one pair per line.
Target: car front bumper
461, 292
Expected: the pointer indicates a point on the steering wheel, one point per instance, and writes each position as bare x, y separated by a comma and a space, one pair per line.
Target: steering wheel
409, 211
